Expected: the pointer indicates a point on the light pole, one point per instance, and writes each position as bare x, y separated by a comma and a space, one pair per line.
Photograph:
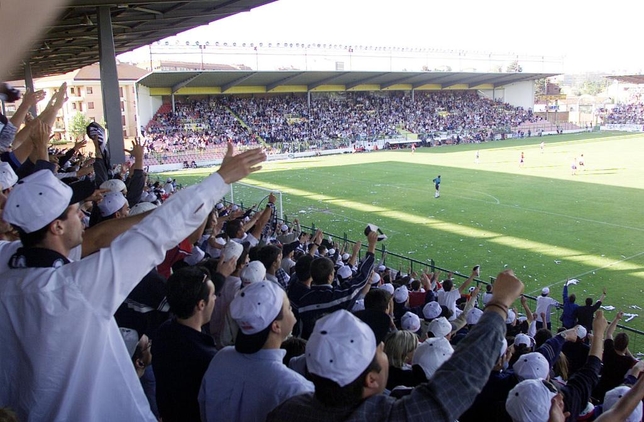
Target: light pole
202, 47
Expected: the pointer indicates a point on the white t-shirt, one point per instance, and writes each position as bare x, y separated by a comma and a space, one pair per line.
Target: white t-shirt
543, 306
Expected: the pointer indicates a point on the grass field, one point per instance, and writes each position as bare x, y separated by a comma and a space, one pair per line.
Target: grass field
539, 219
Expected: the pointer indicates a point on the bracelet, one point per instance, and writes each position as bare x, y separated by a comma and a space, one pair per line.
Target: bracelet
317, 244
498, 305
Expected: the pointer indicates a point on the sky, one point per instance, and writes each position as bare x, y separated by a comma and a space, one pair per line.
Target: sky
586, 35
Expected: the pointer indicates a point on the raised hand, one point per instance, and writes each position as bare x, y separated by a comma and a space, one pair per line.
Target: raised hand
235, 168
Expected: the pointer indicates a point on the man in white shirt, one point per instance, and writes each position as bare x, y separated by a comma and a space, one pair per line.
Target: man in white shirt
447, 296
62, 352
544, 302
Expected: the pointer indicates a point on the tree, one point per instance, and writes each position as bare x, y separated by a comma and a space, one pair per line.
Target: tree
540, 87
78, 125
514, 67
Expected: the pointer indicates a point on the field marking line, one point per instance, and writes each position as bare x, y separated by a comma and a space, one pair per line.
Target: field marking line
557, 283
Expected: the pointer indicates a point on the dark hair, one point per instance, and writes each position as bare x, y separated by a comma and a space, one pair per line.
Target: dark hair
377, 299
321, 270
186, 288
415, 285
294, 346
268, 255
253, 253
232, 227
303, 267
447, 285
621, 342
589, 301
332, 395
30, 240
572, 298
541, 336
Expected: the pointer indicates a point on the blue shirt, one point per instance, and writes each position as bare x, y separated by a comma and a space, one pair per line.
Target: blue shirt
568, 317
246, 387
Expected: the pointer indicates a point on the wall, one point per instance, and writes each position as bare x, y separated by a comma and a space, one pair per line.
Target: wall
147, 104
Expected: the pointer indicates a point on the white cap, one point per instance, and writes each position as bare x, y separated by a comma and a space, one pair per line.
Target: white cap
531, 366
114, 185
432, 310
545, 291
473, 316
388, 287
410, 322
401, 294
381, 268
235, 207
375, 278
345, 256
36, 201
529, 401
511, 317
614, 395
142, 207
232, 249
8, 177
440, 327
131, 339
344, 272
340, 348
168, 180
112, 202
358, 305
431, 354
581, 331
253, 272
523, 339
256, 306
221, 241
284, 227
219, 206
331, 252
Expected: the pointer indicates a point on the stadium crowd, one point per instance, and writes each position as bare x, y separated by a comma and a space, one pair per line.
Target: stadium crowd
352, 116
124, 300
629, 113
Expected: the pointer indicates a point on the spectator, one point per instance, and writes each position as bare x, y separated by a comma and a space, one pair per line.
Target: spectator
36, 386
584, 314
568, 316
350, 371
230, 390
544, 302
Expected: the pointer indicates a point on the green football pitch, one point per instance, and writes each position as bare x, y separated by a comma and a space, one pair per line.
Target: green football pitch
537, 218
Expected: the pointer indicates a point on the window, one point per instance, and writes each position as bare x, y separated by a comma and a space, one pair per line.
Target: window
90, 105
120, 91
122, 105
123, 120
74, 106
80, 106
72, 90
89, 90
125, 133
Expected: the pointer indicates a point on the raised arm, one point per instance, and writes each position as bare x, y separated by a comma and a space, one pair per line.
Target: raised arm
613, 325
626, 405
475, 273
29, 100
528, 313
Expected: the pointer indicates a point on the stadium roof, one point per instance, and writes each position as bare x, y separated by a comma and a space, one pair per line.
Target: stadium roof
630, 79
297, 81
71, 41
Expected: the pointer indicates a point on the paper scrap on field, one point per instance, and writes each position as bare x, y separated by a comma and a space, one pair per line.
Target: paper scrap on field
608, 308
630, 317
572, 281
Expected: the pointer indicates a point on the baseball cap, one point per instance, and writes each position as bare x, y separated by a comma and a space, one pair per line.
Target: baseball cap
284, 227
169, 180
340, 348
614, 395
388, 287
524, 339
219, 206
381, 268
114, 185
232, 249
511, 317
431, 354
345, 256
545, 291
131, 339
254, 308
473, 316
36, 201
531, 366
141, 207
112, 202
401, 294
432, 310
529, 401
440, 327
410, 322
344, 272
375, 278
253, 272
373, 228
8, 177
581, 332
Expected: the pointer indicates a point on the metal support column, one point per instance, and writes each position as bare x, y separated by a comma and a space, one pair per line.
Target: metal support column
110, 85
29, 83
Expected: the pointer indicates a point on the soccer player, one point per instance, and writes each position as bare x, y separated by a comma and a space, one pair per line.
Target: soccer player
437, 185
